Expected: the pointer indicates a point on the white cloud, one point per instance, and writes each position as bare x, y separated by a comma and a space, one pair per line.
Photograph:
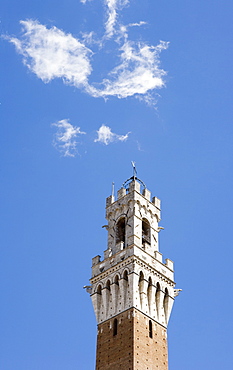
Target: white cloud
51, 53
106, 136
65, 139
112, 7
111, 17
139, 24
137, 74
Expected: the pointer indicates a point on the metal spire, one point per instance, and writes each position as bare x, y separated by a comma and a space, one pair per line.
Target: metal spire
113, 189
134, 168
134, 177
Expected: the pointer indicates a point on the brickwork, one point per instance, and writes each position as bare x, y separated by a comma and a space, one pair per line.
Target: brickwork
131, 348
149, 353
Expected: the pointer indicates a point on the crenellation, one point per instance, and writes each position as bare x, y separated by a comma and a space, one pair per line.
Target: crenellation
159, 256
95, 260
156, 201
146, 193
121, 193
109, 200
170, 264
134, 186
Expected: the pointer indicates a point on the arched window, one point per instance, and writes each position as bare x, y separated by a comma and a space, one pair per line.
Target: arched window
115, 324
145, 231
120, 231
150, 329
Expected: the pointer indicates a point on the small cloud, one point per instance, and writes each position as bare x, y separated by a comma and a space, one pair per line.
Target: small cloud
139, 146
90, 38
51, 53
106, 136
65, 139
139, 24
84, 1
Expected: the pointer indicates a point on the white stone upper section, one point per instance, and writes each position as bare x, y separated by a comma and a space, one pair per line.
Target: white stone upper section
132, 273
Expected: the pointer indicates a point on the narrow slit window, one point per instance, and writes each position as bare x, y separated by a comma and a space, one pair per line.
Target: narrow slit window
150, 329
115, 324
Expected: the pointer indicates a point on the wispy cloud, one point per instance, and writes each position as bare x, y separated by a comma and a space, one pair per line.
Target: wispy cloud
51, 53
137, 74
65, 139
139, 24
112, 7
106, 136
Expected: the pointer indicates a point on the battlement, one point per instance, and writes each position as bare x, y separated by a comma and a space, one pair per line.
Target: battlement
109, 261
134, 186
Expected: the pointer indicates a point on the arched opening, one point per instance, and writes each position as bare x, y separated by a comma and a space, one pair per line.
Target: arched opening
120, 231
115, 324
149, 294
145, 231
108, 296
125, 275
99, 300
141, 289
125, 288
116, 287
116, 280
141, 278
108, 285
165, 304
150, 329
157, 299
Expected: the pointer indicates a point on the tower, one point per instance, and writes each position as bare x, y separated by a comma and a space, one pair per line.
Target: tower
132, 290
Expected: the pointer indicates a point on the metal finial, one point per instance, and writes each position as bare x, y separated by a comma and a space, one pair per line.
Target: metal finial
134, 168
113, 189
134, 177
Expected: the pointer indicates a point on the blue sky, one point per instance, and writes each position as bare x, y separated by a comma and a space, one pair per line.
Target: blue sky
87, 87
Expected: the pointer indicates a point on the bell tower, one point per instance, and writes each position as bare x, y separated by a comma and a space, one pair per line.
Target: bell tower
132, 290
